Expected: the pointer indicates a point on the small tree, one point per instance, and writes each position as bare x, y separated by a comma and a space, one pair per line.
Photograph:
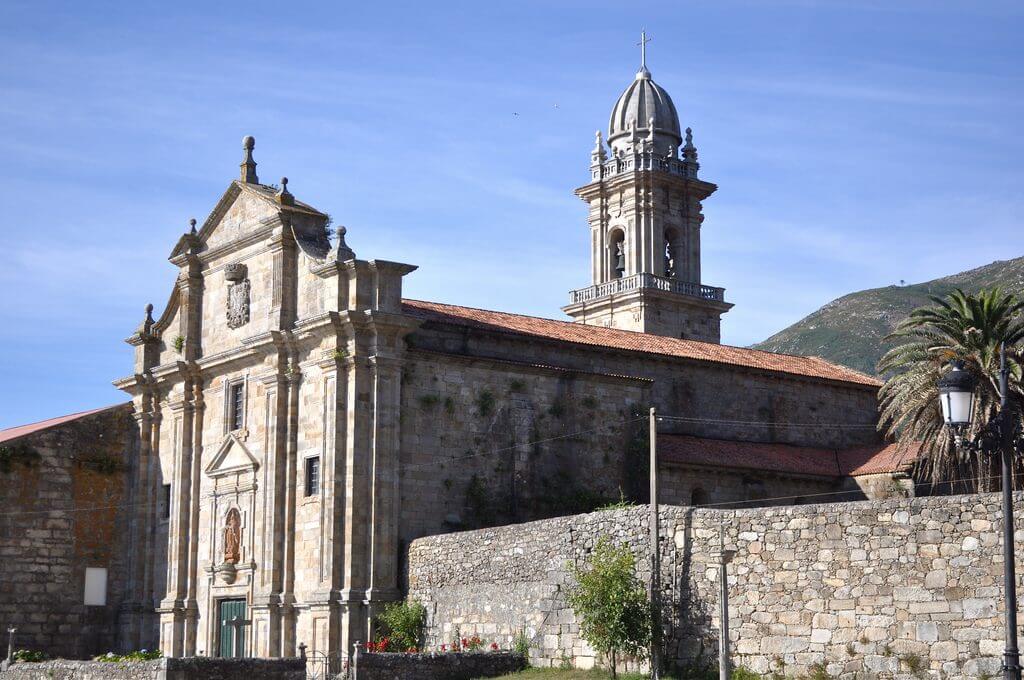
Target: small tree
402, 624
611, 603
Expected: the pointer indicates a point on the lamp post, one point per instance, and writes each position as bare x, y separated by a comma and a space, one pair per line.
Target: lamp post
956, 397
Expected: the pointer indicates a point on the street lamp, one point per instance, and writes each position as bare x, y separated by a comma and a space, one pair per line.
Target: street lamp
999, 435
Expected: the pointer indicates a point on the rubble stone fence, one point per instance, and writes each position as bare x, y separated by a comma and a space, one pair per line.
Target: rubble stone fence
445, 666
190, 668
891, 588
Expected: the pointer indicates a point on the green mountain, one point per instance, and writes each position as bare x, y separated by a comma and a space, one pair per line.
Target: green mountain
849, 330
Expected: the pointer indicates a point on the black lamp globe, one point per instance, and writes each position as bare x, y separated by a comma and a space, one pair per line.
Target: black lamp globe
956, 395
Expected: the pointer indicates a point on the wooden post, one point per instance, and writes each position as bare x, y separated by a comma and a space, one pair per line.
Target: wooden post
655, 554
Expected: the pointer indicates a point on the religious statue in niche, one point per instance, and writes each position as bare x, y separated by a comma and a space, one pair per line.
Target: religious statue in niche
233, 537
238, 295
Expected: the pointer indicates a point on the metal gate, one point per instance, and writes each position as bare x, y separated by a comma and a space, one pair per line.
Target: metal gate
321, 666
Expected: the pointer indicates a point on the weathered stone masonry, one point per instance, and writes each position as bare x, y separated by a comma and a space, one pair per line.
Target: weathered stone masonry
64, 500
869, 588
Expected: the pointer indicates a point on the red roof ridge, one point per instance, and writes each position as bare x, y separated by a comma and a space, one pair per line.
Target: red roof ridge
781, 457
17, 431
818, 365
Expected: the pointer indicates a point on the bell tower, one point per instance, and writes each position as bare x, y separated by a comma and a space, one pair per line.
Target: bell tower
645, 222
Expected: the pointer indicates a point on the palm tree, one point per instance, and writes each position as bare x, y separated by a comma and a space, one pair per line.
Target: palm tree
960, 326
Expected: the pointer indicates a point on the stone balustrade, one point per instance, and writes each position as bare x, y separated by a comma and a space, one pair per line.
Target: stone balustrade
628, 284
642, 161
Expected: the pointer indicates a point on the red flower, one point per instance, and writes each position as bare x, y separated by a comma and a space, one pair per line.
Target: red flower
444, 648
494, 646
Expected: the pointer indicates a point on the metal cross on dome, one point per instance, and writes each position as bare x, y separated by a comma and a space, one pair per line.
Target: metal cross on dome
643, 48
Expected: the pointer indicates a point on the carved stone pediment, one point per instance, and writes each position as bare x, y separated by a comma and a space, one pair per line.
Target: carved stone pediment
232, 458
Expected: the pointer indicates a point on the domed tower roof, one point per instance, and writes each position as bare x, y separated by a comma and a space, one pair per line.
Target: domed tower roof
642, 101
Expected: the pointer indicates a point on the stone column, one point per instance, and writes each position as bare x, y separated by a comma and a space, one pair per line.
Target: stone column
266, 601
172, 608
195, 486
288, 642
325, 604
384, 480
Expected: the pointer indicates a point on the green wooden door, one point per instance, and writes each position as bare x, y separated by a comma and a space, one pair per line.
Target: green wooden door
229, 609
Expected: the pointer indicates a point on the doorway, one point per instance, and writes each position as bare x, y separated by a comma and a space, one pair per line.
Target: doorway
228, 610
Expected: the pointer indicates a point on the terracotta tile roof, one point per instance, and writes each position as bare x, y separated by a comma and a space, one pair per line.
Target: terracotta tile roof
873, 461
785, 458
567, 331
22, 430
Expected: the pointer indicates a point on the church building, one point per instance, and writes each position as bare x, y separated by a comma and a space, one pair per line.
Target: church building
299, 421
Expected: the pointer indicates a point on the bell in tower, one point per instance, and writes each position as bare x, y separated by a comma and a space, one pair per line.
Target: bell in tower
645, 222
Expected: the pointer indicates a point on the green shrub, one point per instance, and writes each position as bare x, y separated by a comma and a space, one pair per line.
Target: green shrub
29, 656
611, 603
485, 403
521, 644
402, 623
742, 673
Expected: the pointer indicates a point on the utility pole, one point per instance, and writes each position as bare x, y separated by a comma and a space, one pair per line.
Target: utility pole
1011, 657
655, 555
725, 557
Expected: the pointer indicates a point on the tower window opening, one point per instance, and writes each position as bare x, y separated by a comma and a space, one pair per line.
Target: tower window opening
671, 246
617, 253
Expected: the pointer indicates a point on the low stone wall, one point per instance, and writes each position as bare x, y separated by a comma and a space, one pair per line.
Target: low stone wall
450, 666
194, 668
873, 589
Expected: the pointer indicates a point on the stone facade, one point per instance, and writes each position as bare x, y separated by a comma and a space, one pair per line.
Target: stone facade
65, 494
870, 589
306, 422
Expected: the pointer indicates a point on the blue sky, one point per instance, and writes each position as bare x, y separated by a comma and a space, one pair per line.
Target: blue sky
855, 143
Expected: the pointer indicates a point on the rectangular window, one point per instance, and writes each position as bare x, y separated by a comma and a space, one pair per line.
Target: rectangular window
313, 476
237, 406
167, 501
95, 586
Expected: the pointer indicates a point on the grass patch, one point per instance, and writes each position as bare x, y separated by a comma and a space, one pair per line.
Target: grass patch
576, 674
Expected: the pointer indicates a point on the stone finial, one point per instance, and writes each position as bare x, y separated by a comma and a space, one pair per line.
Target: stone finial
248, 165
342, 253
284, 197
598, 155
689, 150
632, 134
192, 226
147, 323
650, 129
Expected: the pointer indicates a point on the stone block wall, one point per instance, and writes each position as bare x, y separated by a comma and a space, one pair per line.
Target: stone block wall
65, 508
719, 401
489, 442
191, 668
870, 589
449, 666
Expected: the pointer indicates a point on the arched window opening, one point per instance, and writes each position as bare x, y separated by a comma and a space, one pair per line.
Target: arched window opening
673, 253
670, 260
699, 497
617, 254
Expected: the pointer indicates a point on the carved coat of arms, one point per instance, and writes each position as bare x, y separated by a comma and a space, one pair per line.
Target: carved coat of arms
238, 304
